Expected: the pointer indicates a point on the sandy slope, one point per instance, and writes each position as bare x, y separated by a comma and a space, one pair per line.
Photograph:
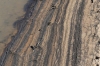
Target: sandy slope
60, 33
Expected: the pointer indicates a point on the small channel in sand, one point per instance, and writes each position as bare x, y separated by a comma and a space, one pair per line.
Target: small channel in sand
10, 11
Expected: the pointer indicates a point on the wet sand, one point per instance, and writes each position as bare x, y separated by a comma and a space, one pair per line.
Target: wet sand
10, 12
56, 33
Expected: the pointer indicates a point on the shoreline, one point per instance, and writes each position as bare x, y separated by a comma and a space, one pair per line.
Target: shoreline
56, 33
17, 25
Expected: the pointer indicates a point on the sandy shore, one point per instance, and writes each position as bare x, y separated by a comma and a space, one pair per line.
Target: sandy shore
56, 33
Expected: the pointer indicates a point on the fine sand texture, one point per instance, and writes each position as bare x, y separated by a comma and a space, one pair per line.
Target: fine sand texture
56, 33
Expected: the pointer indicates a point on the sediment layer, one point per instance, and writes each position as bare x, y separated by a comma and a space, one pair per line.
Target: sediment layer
56, 33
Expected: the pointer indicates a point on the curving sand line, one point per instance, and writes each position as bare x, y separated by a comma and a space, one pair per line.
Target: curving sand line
70, 39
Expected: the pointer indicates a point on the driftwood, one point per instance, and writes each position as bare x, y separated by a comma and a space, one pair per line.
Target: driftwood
56, 33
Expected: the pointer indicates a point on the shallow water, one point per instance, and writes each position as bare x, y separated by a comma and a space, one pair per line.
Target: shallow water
10, 11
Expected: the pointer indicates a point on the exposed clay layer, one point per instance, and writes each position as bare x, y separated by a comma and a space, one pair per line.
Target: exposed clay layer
56, 33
